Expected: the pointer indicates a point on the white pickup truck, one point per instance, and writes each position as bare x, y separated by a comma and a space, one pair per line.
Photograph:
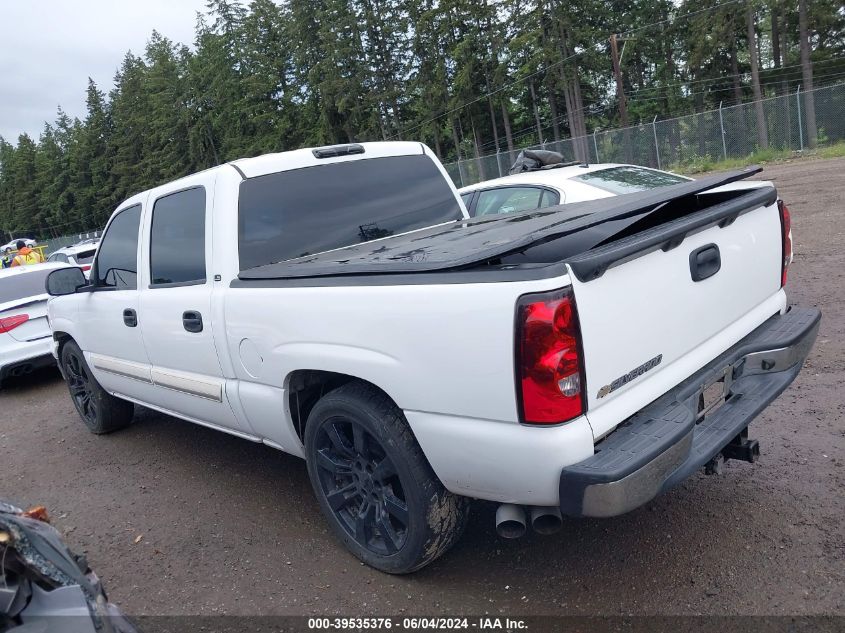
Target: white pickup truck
337, 304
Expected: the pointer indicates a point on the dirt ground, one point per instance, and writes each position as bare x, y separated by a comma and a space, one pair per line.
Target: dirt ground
228, 526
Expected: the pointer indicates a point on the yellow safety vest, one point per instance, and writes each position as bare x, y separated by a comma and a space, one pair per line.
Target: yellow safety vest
32, 257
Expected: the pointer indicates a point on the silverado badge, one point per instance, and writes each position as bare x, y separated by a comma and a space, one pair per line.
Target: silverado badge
631, 375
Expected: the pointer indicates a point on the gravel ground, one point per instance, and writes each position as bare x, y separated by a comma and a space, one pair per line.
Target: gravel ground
178, 519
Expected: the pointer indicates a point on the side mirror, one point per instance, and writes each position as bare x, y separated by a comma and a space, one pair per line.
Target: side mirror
65, 281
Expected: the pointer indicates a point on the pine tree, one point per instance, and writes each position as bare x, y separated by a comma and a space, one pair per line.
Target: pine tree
264, 65
468, 77
166, 154
24, 199
129, 111
95, 197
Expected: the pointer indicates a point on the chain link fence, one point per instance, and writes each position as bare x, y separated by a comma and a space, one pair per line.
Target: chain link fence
56, 243
688, 141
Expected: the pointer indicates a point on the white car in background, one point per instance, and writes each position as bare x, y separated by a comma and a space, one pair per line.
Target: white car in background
562, 184
13, 245
81, 255
25, 336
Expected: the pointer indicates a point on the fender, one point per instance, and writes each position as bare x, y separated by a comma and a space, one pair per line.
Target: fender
375, 367
63, 329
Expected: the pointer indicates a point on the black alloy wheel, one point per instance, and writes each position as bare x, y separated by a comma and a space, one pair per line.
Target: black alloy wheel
101, 411
362, 486
82, 387
373, 483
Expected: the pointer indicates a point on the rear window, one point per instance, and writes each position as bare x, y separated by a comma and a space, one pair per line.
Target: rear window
315, 209
621, 180
85, 257
23, 285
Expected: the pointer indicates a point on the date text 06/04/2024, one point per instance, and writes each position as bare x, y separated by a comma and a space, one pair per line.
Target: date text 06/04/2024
483, 623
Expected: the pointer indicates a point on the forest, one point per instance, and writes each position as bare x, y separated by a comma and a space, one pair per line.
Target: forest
467, 77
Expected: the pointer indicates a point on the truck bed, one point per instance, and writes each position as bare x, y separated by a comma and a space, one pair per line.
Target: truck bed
467, 244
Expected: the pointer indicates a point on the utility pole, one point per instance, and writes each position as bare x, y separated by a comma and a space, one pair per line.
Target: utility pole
620, 94
620, 90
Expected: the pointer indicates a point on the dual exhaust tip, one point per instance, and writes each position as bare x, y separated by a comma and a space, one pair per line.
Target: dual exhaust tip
512, 520
21, 370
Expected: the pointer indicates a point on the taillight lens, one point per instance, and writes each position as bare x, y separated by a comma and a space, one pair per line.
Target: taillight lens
786, 229
86, 267
10, 323
549, 360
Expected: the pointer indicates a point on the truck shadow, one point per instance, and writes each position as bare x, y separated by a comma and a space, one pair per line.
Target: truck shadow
254, 495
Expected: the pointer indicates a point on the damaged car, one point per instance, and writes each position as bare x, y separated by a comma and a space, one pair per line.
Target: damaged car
44, 586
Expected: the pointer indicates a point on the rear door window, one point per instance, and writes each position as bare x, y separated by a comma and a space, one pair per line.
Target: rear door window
177, 238
117, 262
508, 200
629, 179
311, 210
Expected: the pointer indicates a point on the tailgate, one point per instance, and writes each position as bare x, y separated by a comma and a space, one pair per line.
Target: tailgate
656, 306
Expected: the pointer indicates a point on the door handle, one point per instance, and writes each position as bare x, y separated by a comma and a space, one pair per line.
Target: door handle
192, 321
704, 262
130, 318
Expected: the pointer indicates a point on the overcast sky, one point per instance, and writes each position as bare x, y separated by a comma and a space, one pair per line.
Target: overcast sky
49, 48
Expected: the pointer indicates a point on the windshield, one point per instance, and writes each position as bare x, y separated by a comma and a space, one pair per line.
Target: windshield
315, 209
23, 285
629, 179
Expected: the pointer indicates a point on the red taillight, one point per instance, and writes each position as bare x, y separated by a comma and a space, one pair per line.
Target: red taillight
550, 380
86, 267
10, 323
786, 229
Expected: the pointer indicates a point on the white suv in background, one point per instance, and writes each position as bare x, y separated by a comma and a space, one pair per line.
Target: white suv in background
81, 255
25, 337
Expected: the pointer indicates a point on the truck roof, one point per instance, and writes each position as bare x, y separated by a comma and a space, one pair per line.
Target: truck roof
299, 158
295, 159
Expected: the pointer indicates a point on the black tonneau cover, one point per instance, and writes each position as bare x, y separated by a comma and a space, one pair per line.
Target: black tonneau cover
462, 244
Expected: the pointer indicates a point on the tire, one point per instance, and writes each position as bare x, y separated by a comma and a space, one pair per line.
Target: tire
375, 486
101, 411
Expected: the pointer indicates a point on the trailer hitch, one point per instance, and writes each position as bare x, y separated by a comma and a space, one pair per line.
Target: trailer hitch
739, 448
742, 448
